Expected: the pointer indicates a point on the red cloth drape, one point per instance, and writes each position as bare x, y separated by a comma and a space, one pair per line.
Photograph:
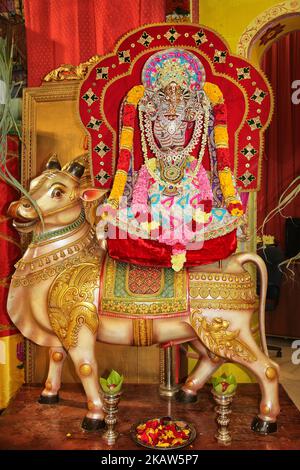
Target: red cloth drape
281, 162
153, 253
11, 341
72, 31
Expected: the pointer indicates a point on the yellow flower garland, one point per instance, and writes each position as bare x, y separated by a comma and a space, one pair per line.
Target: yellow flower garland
214, 93
135, 94
221, 141
221, 136
118, 188
226, 184
126, 142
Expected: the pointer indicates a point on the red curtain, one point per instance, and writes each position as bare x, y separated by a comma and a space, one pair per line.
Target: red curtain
11, 341
281, 163
71, 31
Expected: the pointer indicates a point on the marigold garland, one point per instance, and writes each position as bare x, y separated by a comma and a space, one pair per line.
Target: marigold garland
215, 96
221, 136
233, 205
228, 189
214, 93
126, 143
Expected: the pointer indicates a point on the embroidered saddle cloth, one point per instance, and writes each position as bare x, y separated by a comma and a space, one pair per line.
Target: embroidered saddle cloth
132, 291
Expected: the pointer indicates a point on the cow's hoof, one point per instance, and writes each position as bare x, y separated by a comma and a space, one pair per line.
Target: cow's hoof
183, 397
48, 399
261, 426
89, 424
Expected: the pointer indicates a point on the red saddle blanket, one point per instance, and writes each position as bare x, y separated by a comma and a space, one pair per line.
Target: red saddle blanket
152, 253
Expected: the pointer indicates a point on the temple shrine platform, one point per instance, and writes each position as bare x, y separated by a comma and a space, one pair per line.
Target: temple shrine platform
26, 424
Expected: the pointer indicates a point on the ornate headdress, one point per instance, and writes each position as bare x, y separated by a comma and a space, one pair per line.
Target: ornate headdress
173, 65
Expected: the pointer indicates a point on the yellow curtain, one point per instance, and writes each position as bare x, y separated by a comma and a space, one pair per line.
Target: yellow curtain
11, 367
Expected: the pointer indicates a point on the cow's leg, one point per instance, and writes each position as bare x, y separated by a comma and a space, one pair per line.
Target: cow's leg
204, 368
50, 395
229, 335
83, 357
267, 373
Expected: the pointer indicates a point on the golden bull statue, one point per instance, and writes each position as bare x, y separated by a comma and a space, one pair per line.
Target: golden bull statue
62, 296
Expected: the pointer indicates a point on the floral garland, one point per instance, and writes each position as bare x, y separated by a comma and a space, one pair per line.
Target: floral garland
126, 144
227, 185
215, 97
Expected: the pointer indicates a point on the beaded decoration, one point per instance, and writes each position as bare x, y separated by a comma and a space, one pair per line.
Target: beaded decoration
60, 231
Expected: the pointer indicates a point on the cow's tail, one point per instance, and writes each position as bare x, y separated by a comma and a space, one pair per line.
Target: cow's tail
243, 258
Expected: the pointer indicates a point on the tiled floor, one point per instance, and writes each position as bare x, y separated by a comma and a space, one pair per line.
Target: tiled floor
290, 372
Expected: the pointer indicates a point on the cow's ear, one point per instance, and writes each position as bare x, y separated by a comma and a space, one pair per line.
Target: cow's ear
93, 194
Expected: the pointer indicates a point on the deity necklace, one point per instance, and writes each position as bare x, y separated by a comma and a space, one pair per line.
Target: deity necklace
171, 164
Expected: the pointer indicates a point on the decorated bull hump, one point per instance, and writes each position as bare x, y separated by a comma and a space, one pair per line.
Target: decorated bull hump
70, 302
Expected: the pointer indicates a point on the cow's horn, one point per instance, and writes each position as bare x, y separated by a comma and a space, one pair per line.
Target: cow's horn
76, 169
53, 163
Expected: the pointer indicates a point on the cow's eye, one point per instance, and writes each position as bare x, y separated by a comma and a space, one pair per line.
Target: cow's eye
57, 193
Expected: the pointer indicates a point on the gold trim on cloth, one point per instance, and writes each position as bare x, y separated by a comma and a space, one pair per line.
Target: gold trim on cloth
142, 306
222, 291
142, 332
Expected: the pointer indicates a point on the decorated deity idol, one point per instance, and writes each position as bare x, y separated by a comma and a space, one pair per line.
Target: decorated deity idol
174, 208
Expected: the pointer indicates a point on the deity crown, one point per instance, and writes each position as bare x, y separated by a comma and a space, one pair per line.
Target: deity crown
172, 71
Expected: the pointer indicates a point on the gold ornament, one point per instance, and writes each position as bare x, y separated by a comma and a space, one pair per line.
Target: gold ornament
142, 332
85, 370
57, 356
70, 302
89, 254
171, 72
90, 405
189, 384
71, 72
222, 291
265, 409
218, 339
270, 373
48, 385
